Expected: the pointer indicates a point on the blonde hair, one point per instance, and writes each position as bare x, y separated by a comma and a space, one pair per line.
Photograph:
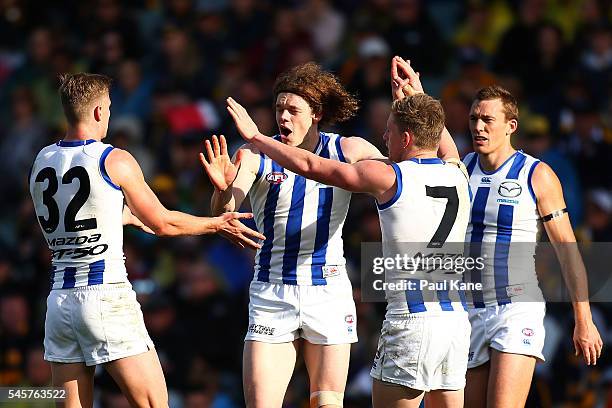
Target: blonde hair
423, 116
79, 91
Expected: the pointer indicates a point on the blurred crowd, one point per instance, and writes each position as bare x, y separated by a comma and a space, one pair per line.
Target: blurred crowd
175, 61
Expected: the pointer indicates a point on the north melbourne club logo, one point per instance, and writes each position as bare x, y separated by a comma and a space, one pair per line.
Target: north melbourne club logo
276, 177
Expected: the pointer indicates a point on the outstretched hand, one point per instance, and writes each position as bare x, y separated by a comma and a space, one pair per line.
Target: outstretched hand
236, 232
404, 80
219, 167
245, 125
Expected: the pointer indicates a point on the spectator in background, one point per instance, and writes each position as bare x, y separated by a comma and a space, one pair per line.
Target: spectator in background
538, 141
22, 137
370, 79
413, 34
472, 76
326, 27
588, 149
598, 217
131, 93
15, 335
517, 45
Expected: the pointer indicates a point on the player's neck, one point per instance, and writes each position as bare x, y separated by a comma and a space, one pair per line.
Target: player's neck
419, 154
494, 160
311, 140
81, 131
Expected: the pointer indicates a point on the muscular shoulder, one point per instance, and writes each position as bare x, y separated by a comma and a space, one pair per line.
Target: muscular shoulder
356, 149
544, 180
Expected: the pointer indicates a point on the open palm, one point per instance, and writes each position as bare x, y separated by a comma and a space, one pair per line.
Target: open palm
219, 167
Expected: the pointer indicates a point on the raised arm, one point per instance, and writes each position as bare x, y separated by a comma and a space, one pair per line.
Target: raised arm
405, 82
375, 177
125, 172
552, 209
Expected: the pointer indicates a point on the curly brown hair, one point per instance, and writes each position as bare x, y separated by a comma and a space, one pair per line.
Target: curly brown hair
322, 90
79, 91
423, 116
497, 92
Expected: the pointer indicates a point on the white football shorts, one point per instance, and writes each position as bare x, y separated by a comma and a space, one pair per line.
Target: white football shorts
320, 314
516, 328
94, 324
424, 351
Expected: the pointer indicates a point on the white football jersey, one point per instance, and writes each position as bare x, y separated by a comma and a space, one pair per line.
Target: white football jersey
503, 229
79, 210
302, 221
429, 212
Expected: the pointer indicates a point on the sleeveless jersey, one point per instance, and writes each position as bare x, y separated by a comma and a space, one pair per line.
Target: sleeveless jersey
302, 221
79, 210
429, 209
503, 229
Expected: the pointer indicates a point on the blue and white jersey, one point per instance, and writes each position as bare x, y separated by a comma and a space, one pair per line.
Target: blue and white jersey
503, 230
79, 210
302, 221
428, 213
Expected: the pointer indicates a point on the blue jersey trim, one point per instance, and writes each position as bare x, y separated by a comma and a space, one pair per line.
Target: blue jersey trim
529, 184
326, 197
105, 175
96, 273
398, 191
427, 160
414, 298
444, 299
262, 161
265, 254
339, 150
500, 167
477, 220
69, 277
502, 249
293, 231
74, 143
324, 209
472, 164
517, 166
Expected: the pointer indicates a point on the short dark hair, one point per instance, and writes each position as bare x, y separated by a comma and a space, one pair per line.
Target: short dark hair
320, 89
423, 116
497, 92
78, 91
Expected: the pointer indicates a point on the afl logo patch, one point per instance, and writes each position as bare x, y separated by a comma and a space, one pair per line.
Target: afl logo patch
510, 189
528, 332
276, 177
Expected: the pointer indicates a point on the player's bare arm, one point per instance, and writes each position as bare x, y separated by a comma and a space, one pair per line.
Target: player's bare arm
126, 173
130, 219
356, 149
553, 212
405, 81
375, 177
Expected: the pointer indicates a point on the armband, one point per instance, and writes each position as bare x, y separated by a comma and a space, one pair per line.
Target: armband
553, 215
